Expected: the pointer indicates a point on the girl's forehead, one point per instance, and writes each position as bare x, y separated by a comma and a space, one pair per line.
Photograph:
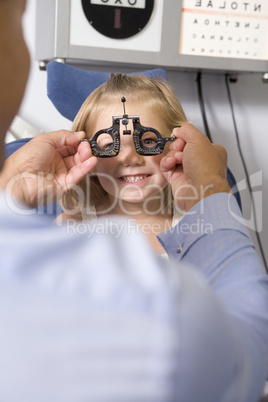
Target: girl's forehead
132, 106
148, 115
116, 103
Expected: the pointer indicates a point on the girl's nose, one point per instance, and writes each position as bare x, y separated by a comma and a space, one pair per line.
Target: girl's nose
128, 155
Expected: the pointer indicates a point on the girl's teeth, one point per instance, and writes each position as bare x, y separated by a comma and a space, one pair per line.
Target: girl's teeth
133, 179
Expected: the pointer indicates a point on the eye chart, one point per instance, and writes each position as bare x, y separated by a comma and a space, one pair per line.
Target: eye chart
225, 28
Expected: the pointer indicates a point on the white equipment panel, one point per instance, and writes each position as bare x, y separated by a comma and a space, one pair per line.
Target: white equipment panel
221, 35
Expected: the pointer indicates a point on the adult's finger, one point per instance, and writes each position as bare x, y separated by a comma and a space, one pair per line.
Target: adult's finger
84, 151
77, 173
190, 134
171, 160
61, 138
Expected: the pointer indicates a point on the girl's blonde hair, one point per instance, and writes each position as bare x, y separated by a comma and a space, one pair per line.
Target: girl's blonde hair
156, 94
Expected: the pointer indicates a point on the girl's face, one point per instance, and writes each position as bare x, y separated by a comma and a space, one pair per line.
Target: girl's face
130, 177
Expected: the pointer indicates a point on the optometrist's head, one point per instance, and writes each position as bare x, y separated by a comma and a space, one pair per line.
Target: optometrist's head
14, 63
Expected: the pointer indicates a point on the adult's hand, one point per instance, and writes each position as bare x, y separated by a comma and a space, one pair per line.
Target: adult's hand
194, 167
47, 166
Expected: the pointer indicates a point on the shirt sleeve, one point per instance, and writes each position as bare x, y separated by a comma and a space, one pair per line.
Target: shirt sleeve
214, 239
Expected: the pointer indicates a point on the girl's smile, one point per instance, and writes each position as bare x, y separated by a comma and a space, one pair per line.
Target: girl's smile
138, 179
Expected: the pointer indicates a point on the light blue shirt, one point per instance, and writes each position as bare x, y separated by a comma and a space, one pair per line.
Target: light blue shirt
99, 317
214, 239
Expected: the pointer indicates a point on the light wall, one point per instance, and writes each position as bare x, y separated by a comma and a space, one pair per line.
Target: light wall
250, 98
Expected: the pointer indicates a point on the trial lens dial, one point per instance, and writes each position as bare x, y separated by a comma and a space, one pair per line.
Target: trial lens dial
118, 19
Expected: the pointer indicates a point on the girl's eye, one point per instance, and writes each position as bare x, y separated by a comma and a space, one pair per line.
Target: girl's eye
104, 141
149, 139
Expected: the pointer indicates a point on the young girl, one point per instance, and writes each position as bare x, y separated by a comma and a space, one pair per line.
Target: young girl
128, 184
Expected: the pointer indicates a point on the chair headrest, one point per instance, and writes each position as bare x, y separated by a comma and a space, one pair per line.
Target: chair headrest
68, 87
